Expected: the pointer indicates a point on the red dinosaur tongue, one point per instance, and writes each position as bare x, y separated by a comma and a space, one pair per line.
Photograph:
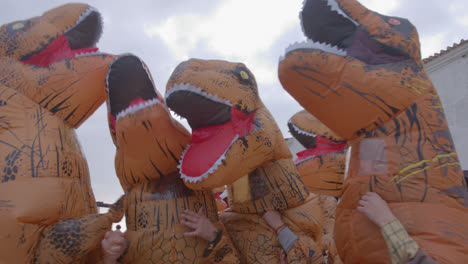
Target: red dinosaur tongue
209, 144
58, 50
323, 146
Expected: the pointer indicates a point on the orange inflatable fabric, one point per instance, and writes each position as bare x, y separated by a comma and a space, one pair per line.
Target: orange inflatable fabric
149, 144
52, 80
322, 168
322, 164
369, 86
236, 142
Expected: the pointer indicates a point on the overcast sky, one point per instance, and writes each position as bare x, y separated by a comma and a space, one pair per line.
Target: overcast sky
255, 32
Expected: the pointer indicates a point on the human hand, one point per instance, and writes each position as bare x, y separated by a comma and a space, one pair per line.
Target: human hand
375, 208
202, 226
113, 245
273, 219
283, 259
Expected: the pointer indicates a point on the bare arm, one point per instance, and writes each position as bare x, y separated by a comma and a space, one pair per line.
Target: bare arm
220, 249
402, 248
294, 248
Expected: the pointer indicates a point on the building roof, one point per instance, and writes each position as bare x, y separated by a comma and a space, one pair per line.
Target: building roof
442, 52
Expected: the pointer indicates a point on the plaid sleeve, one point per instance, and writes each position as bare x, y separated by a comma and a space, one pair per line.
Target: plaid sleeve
400, 245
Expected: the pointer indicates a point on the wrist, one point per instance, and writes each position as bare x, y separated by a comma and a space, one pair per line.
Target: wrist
212, 235
279, 228
385, 221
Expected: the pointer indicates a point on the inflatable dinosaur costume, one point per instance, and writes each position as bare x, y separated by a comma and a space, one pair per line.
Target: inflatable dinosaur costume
51, 81
369, 86
236, 142
322, 164
322, 168
149, 144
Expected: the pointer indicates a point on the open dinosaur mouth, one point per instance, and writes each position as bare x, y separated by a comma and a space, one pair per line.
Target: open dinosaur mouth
330, 29
129, 87
305, 138
78, 41
216, 125
316, 145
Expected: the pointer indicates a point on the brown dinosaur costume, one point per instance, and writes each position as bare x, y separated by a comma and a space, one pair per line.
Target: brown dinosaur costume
51, 82
236, 142
149, 144
322, 168
372, 90
322, 164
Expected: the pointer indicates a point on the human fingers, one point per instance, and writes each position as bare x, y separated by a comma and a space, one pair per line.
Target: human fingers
282, 256
200, 212
192, 225
116, 250
120, 241
192, 219
190, 214
191, 234
367, 196
363, 203
362, 209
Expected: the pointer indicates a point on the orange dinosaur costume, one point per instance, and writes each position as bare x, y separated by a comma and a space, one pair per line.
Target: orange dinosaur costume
370, 87
149, 144
51, 81
236, 142
322, 168
322, 164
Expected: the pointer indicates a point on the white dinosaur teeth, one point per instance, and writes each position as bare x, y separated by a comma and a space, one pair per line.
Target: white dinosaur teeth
136, 108
85, 14
335, 7
309, 44
299, 161
224, 194
210, 171
197, 90
300, 131
84, 54
82, 17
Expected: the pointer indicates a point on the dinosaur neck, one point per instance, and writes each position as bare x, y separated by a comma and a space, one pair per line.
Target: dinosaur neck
416, 146
324, 174
274, 186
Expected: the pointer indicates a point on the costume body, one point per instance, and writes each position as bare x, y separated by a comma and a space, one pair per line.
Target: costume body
236, 142
322, 168
372, 90
48, 210
149, 144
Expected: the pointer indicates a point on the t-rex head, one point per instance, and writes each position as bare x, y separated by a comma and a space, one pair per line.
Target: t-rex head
322, 164
53, 60
349, 48
149, 141
232, 132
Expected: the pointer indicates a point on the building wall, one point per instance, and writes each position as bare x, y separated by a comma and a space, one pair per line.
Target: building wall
449, 74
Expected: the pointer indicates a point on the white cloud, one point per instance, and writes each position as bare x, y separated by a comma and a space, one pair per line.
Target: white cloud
383, 7
238, 30
431, 44
463, 20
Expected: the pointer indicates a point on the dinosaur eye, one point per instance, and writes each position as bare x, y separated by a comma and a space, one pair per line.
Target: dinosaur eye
394, 21
244, 75
17, 26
